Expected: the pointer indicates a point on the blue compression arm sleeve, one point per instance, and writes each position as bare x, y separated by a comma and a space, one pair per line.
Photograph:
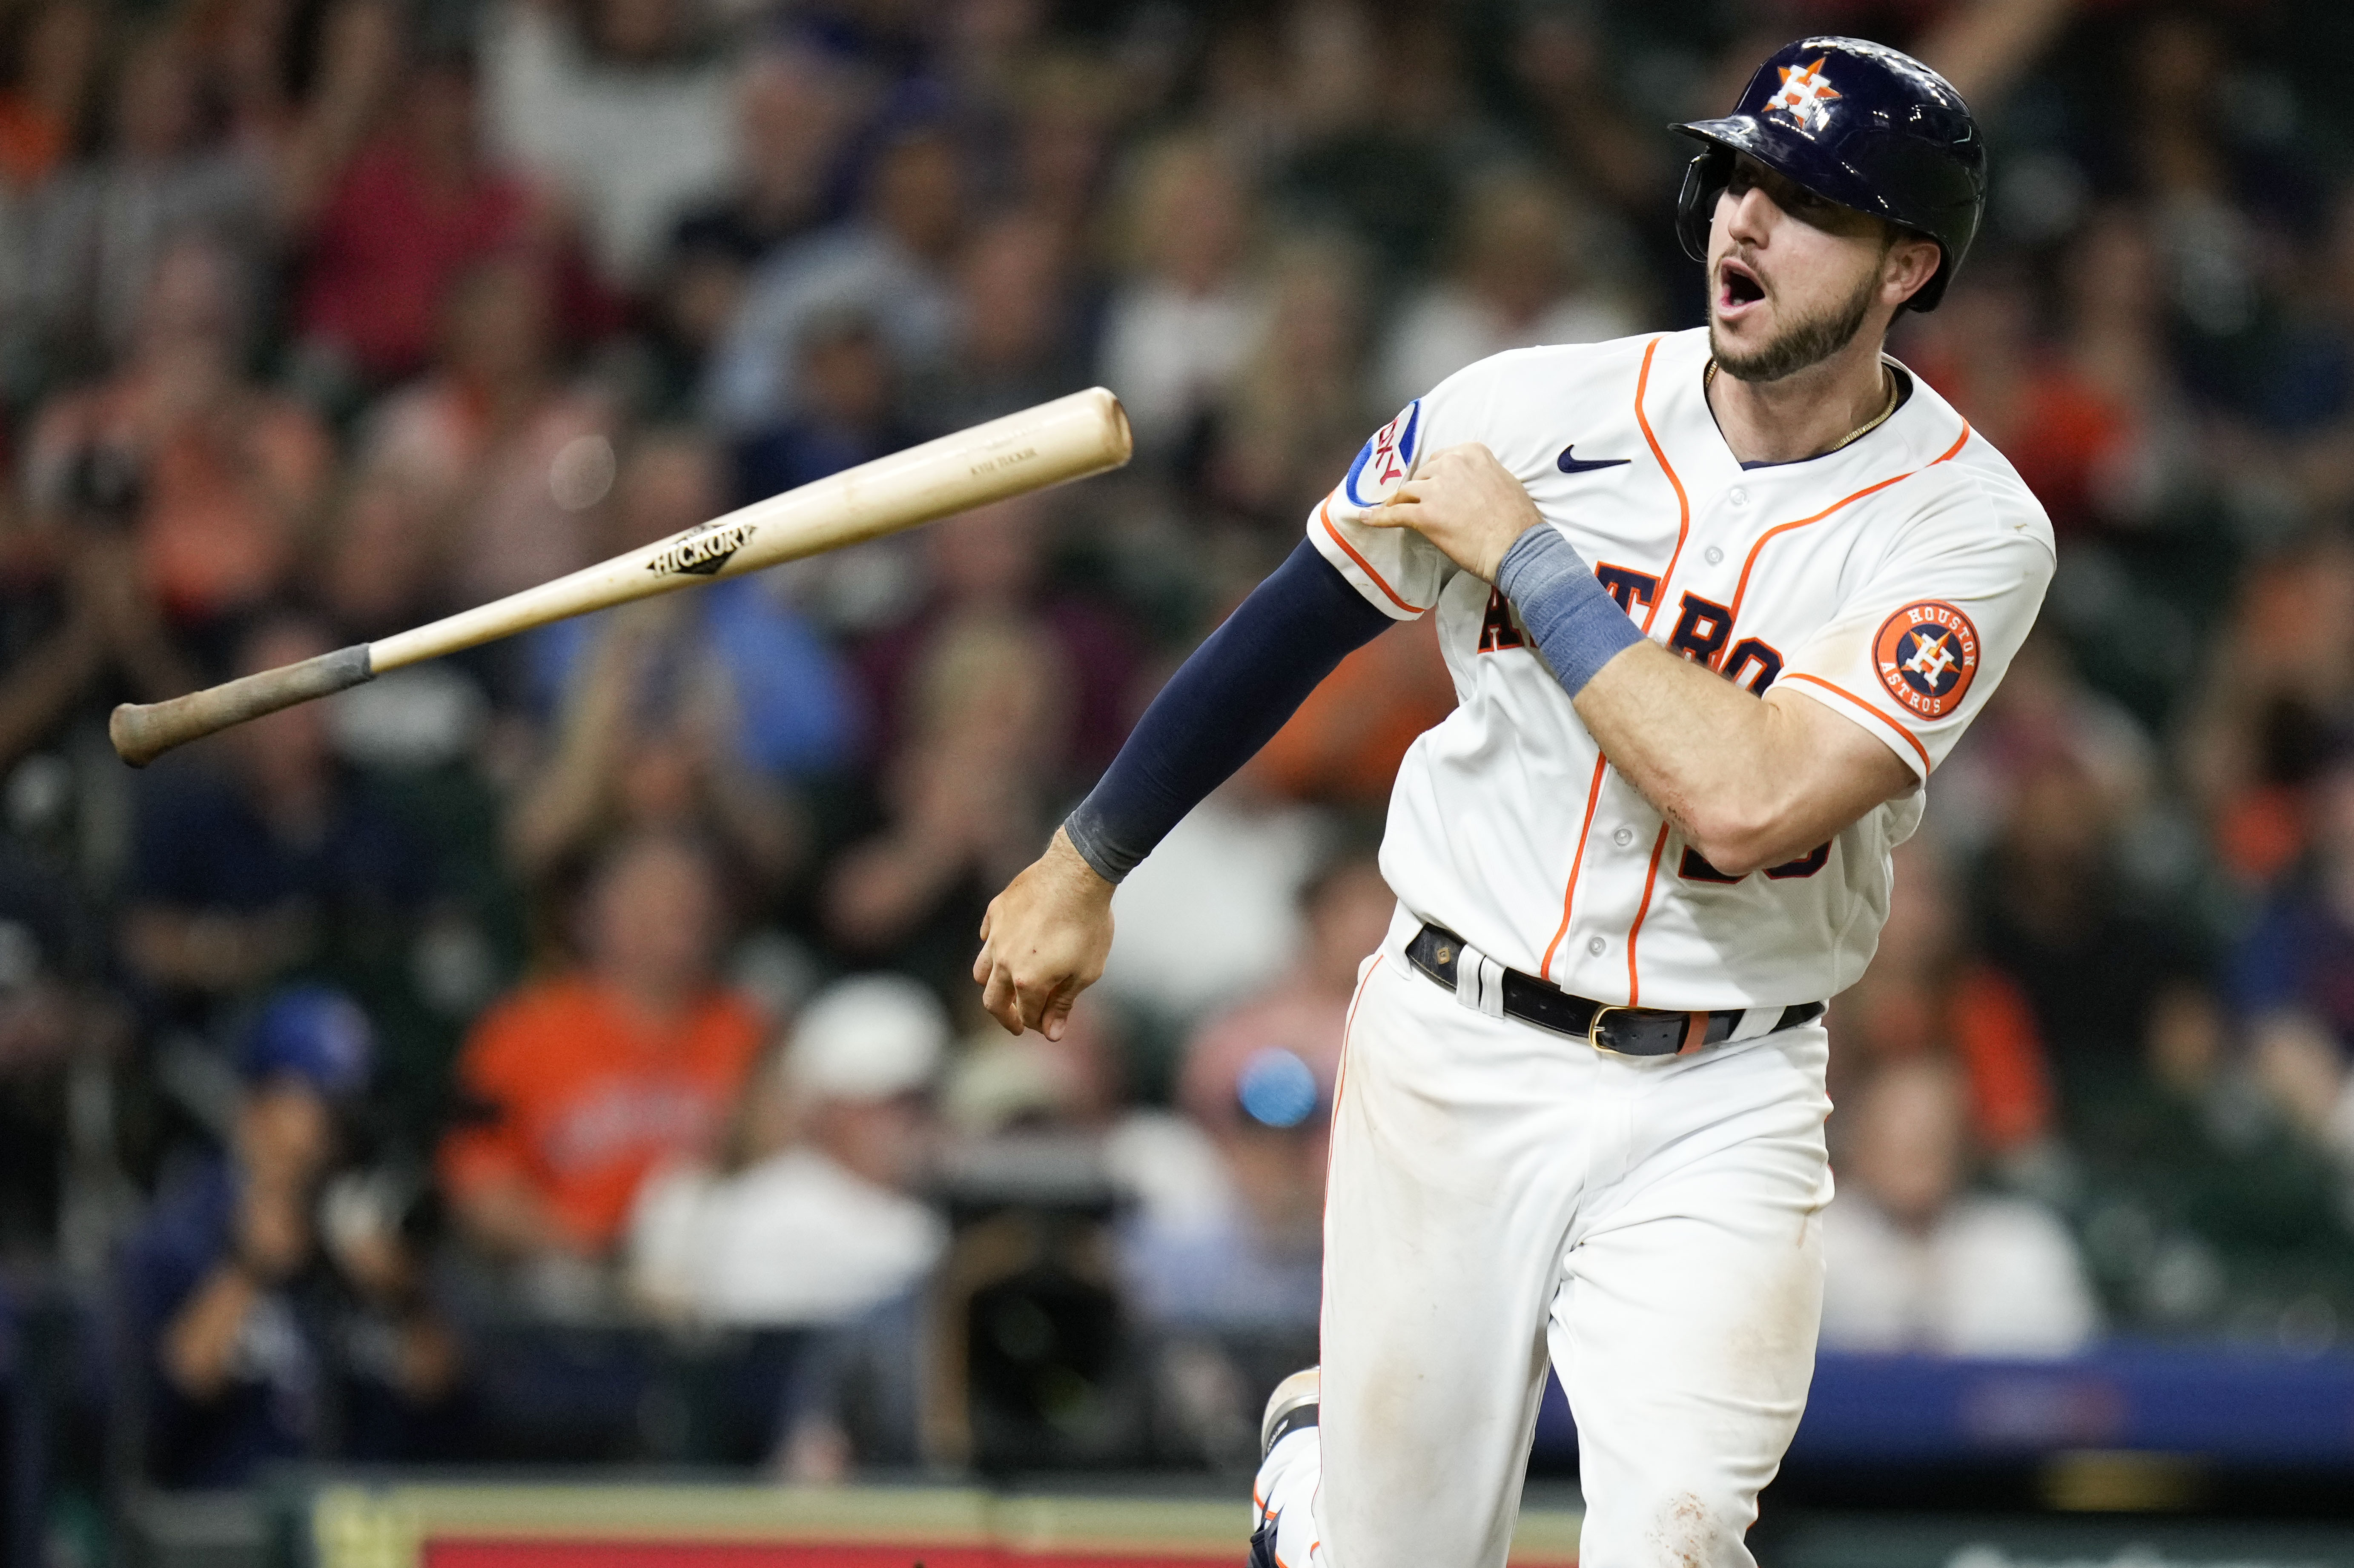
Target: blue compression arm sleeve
1221, 706
1571, 618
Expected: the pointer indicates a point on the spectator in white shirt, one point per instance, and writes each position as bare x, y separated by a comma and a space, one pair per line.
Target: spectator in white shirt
1256, 1086
1179, 328
1513, 288
815, 1224
631, 121
1914, 1262
100, 229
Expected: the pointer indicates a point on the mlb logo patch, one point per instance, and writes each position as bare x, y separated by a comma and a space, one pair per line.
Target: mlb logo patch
1385, 461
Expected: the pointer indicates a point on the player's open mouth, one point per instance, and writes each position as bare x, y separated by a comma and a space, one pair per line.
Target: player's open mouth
1737, 287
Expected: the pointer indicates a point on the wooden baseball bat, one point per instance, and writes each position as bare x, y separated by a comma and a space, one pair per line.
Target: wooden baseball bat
1070, 437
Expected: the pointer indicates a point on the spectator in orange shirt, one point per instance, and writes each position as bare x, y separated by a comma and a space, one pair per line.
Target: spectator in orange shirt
57, 49
581, 1084
1344, 744
2094, 420
1929, 993
2280, 664
217, 478
500, 457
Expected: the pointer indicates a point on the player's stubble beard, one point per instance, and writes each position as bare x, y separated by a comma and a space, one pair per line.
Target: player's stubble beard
1802, 343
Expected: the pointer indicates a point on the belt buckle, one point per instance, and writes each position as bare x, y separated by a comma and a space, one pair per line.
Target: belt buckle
1594, 1026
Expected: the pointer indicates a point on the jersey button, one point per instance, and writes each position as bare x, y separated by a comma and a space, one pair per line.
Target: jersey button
1713, 553
1595, 946
1738, 496
1622, 837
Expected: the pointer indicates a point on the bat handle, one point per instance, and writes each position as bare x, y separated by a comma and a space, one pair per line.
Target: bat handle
143, 731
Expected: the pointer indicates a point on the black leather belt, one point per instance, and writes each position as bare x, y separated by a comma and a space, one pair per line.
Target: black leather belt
1606, 1026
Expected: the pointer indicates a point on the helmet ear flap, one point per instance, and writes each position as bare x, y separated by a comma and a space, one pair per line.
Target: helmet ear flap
1704, 176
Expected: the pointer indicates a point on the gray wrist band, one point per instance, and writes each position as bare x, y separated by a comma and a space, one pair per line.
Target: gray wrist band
1571, 618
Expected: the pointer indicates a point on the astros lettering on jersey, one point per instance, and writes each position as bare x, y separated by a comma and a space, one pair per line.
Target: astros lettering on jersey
1893, 580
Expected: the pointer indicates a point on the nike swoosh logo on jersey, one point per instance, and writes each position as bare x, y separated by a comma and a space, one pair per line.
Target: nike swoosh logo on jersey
1568, 465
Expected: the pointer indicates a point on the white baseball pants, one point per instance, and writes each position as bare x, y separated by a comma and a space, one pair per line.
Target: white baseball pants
1498, 1191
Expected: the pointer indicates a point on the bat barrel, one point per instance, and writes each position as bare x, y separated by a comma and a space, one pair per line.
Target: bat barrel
1071, 438
143, 731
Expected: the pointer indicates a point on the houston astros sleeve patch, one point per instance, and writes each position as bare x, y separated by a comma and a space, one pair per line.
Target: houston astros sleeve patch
1926, 654
1922, 641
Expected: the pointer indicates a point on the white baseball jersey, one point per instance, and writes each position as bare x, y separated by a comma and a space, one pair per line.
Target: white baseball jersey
1891, 580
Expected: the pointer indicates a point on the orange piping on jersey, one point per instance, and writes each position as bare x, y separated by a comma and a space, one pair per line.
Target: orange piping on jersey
1683, 503
1650, 879
1683, 527
1683, 530
1325, 513
1569, 894
1742, 586
1910, 739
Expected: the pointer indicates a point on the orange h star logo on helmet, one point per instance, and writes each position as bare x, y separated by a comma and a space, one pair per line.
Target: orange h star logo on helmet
1805, 90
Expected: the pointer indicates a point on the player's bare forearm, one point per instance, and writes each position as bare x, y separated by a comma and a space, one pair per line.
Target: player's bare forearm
1044, 940
1750, 782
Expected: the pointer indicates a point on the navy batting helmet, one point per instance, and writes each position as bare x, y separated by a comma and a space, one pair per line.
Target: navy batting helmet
1858, 124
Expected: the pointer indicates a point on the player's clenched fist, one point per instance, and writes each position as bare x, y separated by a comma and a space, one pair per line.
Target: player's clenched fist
1467, 503
1044, 941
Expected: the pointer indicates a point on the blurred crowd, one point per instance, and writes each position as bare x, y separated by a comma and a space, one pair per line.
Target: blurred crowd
616, 977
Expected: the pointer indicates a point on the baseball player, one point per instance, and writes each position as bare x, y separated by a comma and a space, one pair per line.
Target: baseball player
1715, 604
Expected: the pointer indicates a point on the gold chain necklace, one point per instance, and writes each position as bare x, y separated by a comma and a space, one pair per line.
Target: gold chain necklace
1708, 379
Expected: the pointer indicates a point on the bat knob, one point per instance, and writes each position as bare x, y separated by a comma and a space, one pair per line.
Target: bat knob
143, 732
